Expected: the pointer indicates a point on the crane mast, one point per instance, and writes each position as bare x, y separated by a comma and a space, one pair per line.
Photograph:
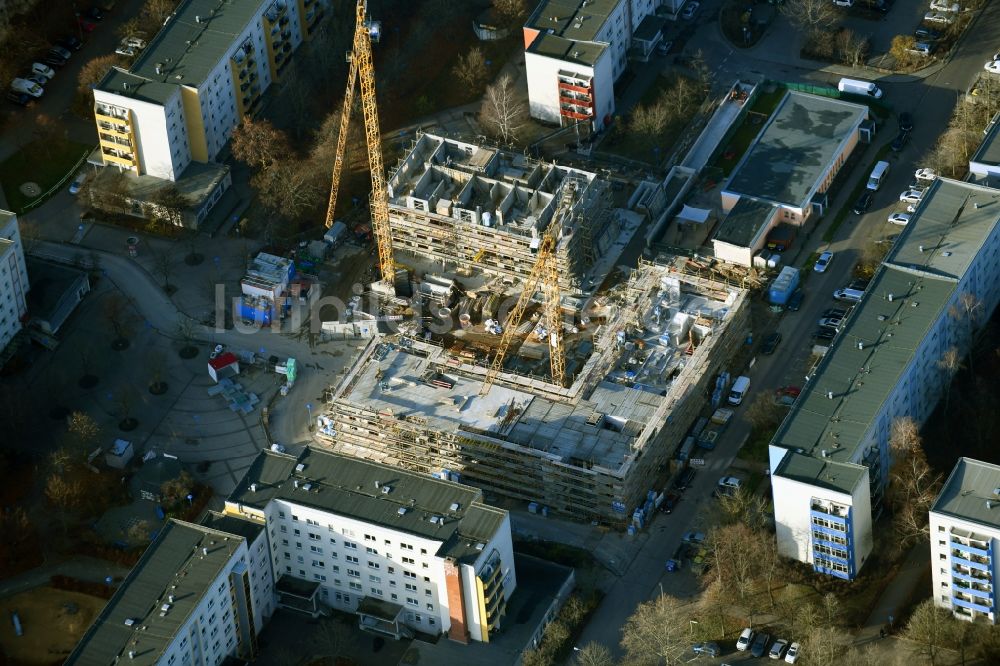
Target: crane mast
362, 67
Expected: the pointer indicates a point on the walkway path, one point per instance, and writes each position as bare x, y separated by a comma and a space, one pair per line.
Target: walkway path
82, 567
897, 594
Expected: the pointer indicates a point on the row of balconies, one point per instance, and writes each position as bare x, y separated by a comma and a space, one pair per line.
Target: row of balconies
830, 509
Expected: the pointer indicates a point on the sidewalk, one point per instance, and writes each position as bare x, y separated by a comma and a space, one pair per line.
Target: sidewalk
82, 567
897, 594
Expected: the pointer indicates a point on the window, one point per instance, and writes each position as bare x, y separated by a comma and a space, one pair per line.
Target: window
392, 570
423, 551
427, 593
281, 514
374, 579
319, 577
427, 579
298, 544
410, 601
295, 518
394, 596
411, 588
425, 565
354, 573
371, 551
392, 583
318, 563
284, 529
409, 574
374, 565
387, 542
409, 560
313, 536
316, 549
288, 556
352, 559
369, 537
431, 621
350, 545
337, 581
336, 569
355, 586
298, 532
405, 546
430, 607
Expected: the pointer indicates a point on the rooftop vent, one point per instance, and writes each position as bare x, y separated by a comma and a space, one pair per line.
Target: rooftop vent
823, 453
401, 511
299, 467
480, 546
996, 491
437, 520
989, 505
386, 490
159, 68
129, 622
891, 296
204, 551
946, 253
307, 486
253, 487
455, 506
170, 598
165, 607
861, 345
829, 395
378, 484
920, 247
197, 19
295, 482
131, 654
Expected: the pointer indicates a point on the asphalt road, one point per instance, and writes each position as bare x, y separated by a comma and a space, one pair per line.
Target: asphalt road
931, 101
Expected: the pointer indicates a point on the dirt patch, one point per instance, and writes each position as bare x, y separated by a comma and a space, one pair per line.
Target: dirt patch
53, 622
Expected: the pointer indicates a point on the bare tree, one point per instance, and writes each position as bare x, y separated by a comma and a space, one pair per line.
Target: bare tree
967, 311
764, 414
901, 50
928, 629
116, 312
163, 262
504, 111
83, 432
511, 12
913, 485
657, 631
177, 489
140, 531
810, 16
950, 364
594, 654
852, 47
823, 646
471, 70
743, 507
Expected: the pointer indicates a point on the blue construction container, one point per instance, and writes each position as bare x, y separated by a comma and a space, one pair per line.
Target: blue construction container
783, 286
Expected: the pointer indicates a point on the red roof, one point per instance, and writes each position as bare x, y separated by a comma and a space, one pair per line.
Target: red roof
222, 360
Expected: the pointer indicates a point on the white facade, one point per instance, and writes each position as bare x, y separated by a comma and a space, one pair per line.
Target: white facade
562, 44
351, 559
150, 124
13, 279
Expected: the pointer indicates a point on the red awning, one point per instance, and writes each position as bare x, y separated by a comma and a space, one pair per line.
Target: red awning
223, 360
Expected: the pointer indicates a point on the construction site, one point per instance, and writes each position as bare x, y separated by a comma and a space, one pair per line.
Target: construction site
471, 210
591, 450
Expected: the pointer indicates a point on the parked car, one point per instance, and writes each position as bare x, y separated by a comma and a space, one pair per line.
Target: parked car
693, 538
900, 141
745, 639
906, 121
823, 262
37, 78
848, 294
690, 10
993, 67
42, 70
707, 649
125, 50
939, 17
778, 649
824, 333
902, 219
669, 502
792, 655
684, 479
86, 24
759, 645
52, 61
863, 203
839, 313
925, 174
26, 87
135, 42
74, 189
60, 52
924, 33
830, 322
727, 485
94, 14
70, 43
945, 6
770, 343
911, 196
795, 300
19, 98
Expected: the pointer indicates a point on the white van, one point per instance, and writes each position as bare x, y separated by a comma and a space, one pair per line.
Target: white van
740, 388
858, 87
848, 294
877, 176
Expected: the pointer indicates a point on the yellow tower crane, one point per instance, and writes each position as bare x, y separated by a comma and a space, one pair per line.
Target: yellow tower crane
366, 31
546, 272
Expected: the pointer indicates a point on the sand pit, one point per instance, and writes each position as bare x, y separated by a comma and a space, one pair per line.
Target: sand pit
53, 621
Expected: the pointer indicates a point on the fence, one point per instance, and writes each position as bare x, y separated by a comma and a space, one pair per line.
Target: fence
45, 195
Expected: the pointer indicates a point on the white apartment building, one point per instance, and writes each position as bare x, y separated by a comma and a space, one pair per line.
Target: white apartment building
13, 279
965, 538
830, 458
574, 51
402, 550
208, 67
198, 595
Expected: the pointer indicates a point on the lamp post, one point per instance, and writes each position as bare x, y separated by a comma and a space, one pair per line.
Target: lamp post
309, 408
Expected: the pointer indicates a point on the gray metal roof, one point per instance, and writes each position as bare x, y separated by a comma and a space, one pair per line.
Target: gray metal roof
965, 493
744, 222
841, 477
247, 529
989, 150
123, 83
583, 53
346, 486
798, 144
880, 338
175, 558
197, 36
573, 19
955, 219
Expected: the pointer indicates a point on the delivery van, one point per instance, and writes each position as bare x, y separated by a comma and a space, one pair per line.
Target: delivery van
858, 87
878, 175
739, 390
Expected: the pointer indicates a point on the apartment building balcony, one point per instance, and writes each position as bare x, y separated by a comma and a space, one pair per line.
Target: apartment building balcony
286, 34
577, 99
275, 11
971, 589
970, 561
959, 537
118, 143
970, 549
283, 21
111, 113
565, 85
970, 604
575, 115
975, 576
117, 132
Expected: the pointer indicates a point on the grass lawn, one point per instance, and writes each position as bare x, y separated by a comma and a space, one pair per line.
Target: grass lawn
737, 146
45, 166
767, 102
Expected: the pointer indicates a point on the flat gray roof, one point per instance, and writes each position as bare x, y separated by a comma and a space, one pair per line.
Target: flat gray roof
956, 218
860, 379
841, 477
989, 150
197, 36
797, 146
346, 486
553, 46
744, 222
175, 558
965, 493
578, 20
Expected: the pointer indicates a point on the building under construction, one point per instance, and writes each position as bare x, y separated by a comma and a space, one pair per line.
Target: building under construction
592, 450
472, 208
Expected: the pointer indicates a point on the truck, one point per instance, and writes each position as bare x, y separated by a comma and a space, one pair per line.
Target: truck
859, 87
709, 437
781, 237
783, 286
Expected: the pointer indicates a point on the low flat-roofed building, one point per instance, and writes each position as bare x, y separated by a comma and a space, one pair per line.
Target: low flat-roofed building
984, 165
56, 291
965, 540
829, 458
791, 165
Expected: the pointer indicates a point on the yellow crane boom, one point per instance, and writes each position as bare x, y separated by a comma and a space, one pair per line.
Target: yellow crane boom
365, 31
